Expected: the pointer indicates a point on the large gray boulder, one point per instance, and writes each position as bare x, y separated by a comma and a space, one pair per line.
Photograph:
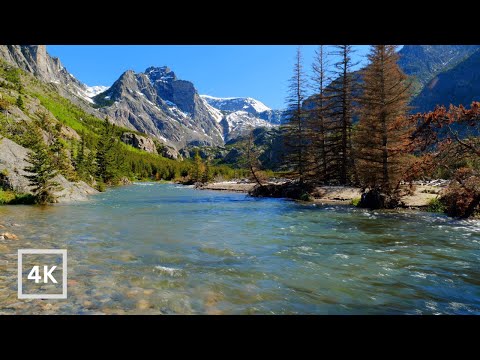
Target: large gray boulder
139, 142
12, 163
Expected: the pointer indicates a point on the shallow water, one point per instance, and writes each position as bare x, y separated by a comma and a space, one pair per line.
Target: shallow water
167, 249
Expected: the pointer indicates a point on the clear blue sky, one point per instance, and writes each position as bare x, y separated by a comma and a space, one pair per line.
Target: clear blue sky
258, 71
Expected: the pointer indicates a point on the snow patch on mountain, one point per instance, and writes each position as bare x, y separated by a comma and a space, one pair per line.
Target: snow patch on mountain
236, 104
92, 91
217, 114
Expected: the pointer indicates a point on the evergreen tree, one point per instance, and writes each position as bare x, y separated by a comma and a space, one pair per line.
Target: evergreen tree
105, 155
59, 153
207, 174
296, 131
80, 158
383, 131
19, 102
42, 171
340, 91
197, 167
319, 118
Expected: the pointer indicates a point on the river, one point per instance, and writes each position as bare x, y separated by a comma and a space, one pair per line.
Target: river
168, 249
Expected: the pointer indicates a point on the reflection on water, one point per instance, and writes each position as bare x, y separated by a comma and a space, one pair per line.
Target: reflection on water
159, 248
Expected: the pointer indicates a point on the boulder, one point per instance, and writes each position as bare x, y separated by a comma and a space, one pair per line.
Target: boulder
375, 199
139, 142
8, 236
170, 153
12, 163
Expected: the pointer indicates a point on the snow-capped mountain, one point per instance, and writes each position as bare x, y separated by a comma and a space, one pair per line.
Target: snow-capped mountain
249, 105
92, 91
154, 102
241, 115
236, 104
159, 104
36, 60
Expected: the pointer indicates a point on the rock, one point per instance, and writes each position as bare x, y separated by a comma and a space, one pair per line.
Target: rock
124, 181
155, 102
72, 282
9, 236
291, 190
139, 142
2, 227
375, 199
143, 304
170, 152
12, 163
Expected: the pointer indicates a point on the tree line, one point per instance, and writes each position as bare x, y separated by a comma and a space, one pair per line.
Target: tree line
349, 127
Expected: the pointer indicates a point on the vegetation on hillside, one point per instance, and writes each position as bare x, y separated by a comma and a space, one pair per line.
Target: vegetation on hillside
65, 139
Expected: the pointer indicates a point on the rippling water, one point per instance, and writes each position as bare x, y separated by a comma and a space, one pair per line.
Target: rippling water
162, 248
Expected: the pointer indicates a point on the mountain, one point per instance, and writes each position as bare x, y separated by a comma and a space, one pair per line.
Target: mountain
154, 102
424, 62
459, 85
35, 60
159, 104
240, 115
249, 105
85, 150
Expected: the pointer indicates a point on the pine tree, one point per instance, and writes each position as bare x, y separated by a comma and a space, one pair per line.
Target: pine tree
207, 174
296, 131
340, 127
80, 158
382, 133
59, 153
42, 171
19, 102
197, 167
105, 155
319, 118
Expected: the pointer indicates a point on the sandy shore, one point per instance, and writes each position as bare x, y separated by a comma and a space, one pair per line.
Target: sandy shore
229, 186
341, 195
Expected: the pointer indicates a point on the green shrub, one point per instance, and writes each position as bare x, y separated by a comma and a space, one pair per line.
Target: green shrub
101, 186
436, 205
8, 197
355, 201
305, 197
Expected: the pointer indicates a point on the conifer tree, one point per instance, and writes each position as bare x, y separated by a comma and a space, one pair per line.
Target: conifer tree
296, 131
42, 170
319, 118
19, 102
383, 131
105, 155
207, 174
340, 128
197, 167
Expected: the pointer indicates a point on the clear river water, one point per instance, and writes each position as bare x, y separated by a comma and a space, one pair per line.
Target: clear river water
168, 249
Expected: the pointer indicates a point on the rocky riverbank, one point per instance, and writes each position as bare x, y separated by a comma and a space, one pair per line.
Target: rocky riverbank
12, 163
419, 197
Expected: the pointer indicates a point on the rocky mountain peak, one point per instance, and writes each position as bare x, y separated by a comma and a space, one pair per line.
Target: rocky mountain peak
160, 74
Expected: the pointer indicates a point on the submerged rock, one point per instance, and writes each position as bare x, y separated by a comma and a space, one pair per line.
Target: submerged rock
375, 199
8, 236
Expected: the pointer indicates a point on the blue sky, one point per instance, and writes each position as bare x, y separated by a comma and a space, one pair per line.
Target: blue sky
258, 71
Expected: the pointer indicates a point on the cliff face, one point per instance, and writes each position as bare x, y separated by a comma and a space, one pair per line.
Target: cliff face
36, 60
156, 103
12, 163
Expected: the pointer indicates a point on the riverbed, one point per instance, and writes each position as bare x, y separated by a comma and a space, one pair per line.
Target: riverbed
168, 249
